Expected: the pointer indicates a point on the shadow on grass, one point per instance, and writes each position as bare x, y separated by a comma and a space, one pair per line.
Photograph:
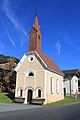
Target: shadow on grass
11, 95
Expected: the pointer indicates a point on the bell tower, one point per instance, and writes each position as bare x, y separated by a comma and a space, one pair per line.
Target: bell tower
35, 37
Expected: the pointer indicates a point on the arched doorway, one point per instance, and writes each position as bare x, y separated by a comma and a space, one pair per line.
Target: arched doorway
29, 97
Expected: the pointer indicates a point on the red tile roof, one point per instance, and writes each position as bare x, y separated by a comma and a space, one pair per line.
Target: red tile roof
51, 65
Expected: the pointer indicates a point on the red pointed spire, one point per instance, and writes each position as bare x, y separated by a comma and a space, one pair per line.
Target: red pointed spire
35, 36
36, 25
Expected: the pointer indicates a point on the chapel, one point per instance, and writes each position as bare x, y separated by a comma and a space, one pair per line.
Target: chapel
38, 78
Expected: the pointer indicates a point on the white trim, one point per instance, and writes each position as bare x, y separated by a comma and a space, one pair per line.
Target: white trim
41, 59
45, 80
23, 58
19, 64
52, 85
57, 86
34, 94
19, 91
37, 93
26, 92
38, 56
16, 93
52, 72
62, 86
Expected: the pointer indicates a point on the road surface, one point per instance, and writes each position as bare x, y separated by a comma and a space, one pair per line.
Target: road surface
69, 112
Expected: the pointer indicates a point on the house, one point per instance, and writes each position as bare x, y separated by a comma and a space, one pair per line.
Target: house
39, 79
71, 82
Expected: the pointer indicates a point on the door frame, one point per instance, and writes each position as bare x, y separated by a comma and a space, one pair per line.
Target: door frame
29, 96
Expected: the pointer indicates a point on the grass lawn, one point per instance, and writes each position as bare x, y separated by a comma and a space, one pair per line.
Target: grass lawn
65, 101
4, 98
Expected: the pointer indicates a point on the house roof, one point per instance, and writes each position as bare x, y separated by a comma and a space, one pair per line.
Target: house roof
73, 71
51, 65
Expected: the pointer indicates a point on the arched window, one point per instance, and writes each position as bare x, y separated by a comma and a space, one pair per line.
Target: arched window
39, 93
31, 74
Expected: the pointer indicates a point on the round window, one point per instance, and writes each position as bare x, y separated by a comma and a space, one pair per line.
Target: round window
31, 58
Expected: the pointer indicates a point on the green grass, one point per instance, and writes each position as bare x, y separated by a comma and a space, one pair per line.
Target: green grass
65, 101
4, 98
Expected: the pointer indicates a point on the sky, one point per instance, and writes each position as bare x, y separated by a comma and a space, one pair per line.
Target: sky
59, 21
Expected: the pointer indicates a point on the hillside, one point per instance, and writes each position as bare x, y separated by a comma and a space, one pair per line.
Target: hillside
7, 73
4, 59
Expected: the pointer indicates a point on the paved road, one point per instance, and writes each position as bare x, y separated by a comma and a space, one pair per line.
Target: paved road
71, 112
11, 107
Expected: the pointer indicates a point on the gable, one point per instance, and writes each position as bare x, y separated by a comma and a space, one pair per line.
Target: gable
47, 62
41, 61
20, 63
25, 64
